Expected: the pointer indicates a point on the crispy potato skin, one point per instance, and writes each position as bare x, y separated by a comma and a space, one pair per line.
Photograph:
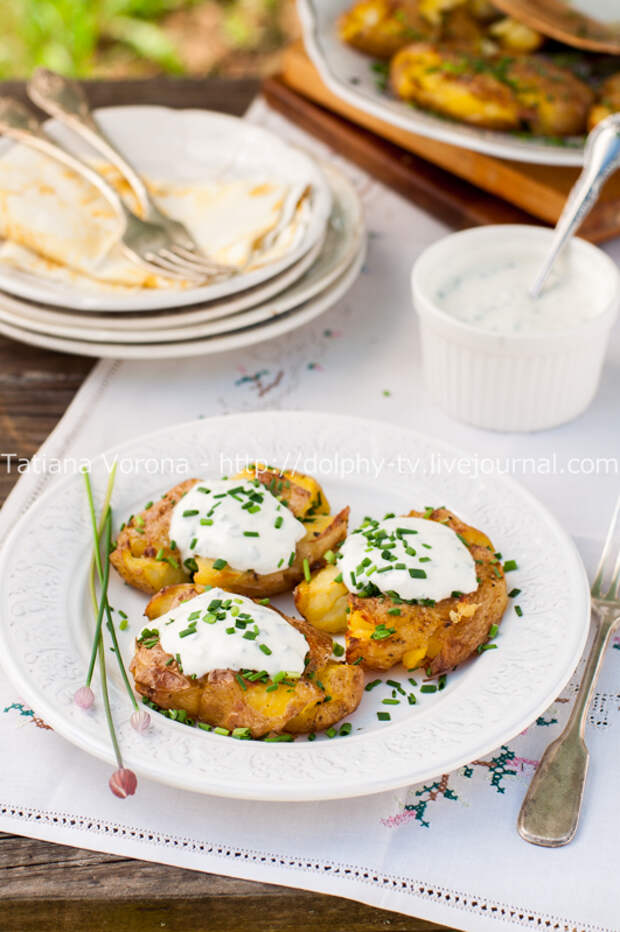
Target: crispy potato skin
140, 541
382, 27
494, 91
438, 637
148, 534
219, 699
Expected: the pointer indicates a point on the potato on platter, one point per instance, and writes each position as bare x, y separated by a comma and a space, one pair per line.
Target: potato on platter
496, 91
256, 534
382, 27
384, 630
249, 702
447, 80
514, 36
554, 101
607, 102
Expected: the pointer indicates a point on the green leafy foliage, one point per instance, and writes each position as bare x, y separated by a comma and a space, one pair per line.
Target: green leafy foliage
81, 37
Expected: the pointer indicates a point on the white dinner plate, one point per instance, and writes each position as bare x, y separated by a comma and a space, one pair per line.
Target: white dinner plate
183, 146
330, 258
349, 75
246, 336
46, 623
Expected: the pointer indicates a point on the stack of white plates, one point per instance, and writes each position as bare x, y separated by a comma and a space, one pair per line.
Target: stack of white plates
74, 315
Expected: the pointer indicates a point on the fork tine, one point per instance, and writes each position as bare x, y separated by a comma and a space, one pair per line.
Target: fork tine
611, 592
200, 259
172, 268
200, 268
598, 579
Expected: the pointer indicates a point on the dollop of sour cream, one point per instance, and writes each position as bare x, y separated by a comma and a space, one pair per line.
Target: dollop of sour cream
238, 521
221, 631
490, 292
414, 557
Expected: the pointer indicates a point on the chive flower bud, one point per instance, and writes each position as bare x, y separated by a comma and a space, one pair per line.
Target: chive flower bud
140, 720
123, 783
84, 697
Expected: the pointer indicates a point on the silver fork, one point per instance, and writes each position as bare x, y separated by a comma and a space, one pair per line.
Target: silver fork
142, 241
65, 100
550, 810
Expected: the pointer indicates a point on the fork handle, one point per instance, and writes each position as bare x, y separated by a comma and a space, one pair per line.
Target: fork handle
550, 811
21, 124
64, 99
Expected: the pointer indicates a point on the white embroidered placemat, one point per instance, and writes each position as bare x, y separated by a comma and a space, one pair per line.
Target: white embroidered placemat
447, 850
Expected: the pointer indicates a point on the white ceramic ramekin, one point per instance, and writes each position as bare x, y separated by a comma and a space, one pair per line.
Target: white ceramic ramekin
505, 381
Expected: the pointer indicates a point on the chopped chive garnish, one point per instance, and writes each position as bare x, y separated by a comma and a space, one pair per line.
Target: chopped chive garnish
514, 593
220, 564
510, 565
265, 649
306, 567
384, 716
428, 688
519, 610
372, 685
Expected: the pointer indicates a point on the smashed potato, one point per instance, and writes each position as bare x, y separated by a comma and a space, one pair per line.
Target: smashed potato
326, 692
436, 636
608, 101
447, 80
147, 559
382, 27
514, 36
496, 92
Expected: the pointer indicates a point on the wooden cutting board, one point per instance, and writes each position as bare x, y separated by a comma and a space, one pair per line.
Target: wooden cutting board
485, 189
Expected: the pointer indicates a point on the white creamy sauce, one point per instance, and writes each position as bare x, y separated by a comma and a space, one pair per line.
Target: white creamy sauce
236, 520
491, 293
414, 557
218, 630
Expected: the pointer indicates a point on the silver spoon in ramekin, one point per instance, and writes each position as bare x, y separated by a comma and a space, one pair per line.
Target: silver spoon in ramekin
601, 158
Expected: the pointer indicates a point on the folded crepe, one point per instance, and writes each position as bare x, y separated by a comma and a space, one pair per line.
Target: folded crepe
56, 224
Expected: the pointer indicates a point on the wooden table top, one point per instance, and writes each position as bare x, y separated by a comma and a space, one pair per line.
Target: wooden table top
45, 886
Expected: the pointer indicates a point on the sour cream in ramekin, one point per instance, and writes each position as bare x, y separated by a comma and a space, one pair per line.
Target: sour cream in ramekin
497, 358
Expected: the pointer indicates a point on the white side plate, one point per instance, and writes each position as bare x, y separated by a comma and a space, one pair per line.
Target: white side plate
184, 146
